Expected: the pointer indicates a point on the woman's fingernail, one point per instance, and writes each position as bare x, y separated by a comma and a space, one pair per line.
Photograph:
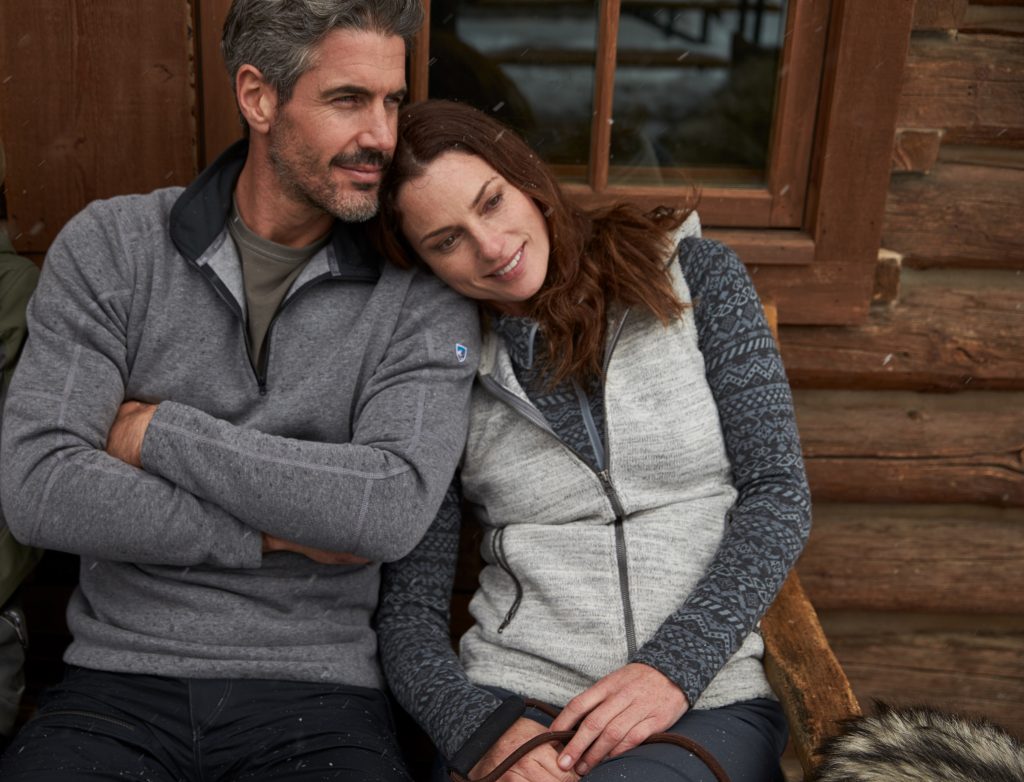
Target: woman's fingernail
565, 762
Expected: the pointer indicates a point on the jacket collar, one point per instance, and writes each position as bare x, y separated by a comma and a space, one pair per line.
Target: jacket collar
200, 215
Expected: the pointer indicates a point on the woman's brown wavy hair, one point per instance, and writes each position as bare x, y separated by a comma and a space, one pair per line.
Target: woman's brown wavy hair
601, 260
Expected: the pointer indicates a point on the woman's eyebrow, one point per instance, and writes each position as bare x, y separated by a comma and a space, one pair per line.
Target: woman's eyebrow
480, 194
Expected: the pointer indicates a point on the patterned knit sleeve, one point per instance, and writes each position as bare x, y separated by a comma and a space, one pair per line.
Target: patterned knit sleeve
767, 527
422, 669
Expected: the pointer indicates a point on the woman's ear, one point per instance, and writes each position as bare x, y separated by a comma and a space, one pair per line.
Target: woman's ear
257, 99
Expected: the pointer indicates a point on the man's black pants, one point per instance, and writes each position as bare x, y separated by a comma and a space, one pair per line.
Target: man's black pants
113, 726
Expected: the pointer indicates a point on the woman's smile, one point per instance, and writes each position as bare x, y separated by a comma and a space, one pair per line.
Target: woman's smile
509, 269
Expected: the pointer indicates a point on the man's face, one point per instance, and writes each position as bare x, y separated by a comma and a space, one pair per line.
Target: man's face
330, 143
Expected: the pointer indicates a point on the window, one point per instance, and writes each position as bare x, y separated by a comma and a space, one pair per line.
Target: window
647, 99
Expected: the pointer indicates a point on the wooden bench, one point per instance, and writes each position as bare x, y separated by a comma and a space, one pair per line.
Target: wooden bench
804, 673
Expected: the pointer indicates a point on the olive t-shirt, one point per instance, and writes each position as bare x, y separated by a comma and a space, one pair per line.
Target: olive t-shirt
268, 271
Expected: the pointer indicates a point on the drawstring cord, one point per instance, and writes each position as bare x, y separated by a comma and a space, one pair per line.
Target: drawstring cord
498, 548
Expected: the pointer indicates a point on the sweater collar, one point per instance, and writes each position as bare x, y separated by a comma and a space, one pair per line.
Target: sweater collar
200, 215
521, 339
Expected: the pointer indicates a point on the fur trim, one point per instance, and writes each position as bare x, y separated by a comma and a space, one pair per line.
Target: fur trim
920, 745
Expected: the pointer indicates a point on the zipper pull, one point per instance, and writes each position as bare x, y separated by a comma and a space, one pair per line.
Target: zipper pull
613, 496
511, 614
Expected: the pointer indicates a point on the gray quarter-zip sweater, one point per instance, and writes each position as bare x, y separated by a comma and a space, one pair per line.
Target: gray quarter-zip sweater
343, 438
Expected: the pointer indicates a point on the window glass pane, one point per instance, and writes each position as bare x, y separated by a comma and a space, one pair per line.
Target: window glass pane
530, 63
695, 90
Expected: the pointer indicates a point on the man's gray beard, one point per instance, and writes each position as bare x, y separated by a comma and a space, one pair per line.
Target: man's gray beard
349, 208
355, 210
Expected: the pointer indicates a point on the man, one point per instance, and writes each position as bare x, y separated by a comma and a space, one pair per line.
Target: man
18, 278
291, 394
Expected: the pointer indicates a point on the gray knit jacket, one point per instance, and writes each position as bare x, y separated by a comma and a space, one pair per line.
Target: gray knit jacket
663, 542
344, 438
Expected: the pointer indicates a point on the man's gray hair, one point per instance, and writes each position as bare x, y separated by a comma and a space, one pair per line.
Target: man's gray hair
279, 37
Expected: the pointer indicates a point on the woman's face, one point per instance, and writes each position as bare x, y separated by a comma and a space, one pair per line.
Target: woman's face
478, 233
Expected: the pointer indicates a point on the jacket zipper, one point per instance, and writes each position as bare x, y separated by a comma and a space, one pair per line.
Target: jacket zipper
531, 413
620, 516
621, 561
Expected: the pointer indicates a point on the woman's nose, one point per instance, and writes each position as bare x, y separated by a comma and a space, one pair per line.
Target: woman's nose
491, 244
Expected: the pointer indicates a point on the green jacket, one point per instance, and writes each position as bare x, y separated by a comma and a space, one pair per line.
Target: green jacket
17, 281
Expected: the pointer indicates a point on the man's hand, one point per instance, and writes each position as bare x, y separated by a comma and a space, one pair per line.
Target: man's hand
128, 430
538, 765
618, 713
270, 543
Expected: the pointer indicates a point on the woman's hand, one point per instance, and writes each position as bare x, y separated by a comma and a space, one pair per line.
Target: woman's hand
538, 765
618, 713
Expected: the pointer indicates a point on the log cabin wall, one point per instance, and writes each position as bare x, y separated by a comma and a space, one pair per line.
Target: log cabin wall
97, 98
913, 422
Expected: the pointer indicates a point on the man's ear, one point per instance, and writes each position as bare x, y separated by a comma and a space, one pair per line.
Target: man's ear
257, 98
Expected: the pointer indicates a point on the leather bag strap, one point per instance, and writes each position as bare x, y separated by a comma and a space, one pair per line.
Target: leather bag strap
563, 736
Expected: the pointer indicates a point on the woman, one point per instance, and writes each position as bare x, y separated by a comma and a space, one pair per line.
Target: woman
632, 457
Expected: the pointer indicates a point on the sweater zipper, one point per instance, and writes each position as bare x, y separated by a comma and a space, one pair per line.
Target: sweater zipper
621, 558
261, 370
228, 298
533, 415
621, 561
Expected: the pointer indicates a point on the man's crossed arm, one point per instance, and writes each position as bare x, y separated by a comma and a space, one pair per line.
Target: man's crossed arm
201, 496
125, 443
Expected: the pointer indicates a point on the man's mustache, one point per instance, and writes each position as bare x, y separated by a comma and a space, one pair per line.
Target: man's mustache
364, 157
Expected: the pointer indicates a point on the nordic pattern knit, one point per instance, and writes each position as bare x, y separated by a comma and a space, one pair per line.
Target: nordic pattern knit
768, 525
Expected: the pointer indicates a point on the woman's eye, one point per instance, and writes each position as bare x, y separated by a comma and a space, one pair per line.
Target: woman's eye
447, 244
493, 201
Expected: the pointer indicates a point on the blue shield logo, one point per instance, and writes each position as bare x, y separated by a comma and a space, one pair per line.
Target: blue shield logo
461, 351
